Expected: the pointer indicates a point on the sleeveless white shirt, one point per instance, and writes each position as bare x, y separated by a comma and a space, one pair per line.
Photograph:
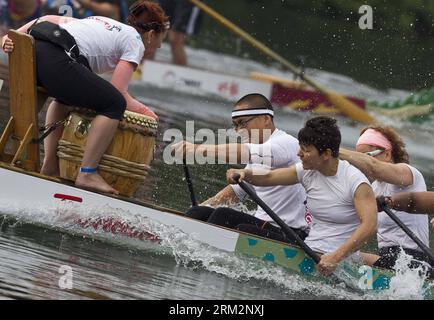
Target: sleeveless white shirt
104, 41
330, 200
279, 151
389, 233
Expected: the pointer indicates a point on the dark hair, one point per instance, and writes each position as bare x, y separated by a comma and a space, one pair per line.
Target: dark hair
255, 100
399, 154
323, 133
146, 16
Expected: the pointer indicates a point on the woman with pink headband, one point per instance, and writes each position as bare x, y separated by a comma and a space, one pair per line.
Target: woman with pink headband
382, 157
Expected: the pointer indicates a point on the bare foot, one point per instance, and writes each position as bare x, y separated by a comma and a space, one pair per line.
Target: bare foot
93, 181
50, 169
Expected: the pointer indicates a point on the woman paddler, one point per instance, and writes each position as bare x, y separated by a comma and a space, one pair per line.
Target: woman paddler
339, 197
382, 157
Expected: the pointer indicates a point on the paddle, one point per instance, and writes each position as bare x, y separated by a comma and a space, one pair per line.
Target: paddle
189, 183
276, 79
288, 231
410, 233
342, 103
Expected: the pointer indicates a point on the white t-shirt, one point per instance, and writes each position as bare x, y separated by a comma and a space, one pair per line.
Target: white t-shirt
279, 151
389, 233
330, 200
104, 41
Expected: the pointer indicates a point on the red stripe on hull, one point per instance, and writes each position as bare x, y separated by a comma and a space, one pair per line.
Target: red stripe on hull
67, 197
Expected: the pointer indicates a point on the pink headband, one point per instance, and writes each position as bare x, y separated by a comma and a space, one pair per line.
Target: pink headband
374, 138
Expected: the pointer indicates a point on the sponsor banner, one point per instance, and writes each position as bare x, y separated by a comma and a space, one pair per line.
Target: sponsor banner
200, 82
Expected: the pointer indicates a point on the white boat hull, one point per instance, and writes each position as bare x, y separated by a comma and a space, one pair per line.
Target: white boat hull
27, 191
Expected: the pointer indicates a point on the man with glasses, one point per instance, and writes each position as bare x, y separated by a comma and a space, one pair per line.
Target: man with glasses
263, 147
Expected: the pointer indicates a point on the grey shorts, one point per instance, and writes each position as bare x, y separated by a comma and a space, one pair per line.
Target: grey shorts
184, 17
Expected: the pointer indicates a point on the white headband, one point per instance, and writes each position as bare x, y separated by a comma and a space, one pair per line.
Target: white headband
252, 112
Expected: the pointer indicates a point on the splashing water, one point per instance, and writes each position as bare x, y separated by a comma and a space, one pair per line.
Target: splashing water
408, 283
186, 249
132, 230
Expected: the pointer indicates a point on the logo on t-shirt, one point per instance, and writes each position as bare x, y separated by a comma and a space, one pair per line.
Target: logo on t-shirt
307, 215
107, 25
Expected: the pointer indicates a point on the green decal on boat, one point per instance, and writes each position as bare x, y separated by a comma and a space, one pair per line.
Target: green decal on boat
294, 258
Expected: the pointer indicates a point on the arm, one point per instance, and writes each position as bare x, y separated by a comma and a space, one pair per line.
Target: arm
225, 196
232, 153
393, 173
413, 202
120, 80
366, 208
284, 176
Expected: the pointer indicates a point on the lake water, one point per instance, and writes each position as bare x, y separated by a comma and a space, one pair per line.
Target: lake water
32, 257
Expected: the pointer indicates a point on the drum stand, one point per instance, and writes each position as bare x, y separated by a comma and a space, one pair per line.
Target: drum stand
22, 127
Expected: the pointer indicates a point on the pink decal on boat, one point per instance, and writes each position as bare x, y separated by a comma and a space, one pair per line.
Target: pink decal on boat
64, 197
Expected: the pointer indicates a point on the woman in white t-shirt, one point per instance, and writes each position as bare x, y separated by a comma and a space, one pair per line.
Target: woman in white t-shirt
382, 157
339, 197
68, 64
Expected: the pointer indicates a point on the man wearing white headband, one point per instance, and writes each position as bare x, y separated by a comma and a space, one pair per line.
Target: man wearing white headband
266, 147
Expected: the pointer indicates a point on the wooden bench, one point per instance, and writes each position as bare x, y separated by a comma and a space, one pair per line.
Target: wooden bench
25, 103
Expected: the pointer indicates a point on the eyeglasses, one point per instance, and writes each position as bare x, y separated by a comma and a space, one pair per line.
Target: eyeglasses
242, 124
375, 152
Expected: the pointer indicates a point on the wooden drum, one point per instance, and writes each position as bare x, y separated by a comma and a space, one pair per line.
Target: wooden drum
126, 161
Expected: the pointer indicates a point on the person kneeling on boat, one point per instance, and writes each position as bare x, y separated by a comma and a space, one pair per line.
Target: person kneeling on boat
382, 157
69, 55
339, 197
266, 147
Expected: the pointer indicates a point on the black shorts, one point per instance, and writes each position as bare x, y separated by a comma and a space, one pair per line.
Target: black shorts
73, 84
244, 222
184, 16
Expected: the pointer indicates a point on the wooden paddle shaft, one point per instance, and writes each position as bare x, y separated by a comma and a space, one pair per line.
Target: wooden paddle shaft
189, 184
245, 35
346, 106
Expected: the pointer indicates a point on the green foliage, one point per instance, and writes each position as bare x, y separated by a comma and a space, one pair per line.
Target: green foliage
396, 53
403, 16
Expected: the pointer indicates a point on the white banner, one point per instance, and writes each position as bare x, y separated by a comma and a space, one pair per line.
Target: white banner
201, 82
